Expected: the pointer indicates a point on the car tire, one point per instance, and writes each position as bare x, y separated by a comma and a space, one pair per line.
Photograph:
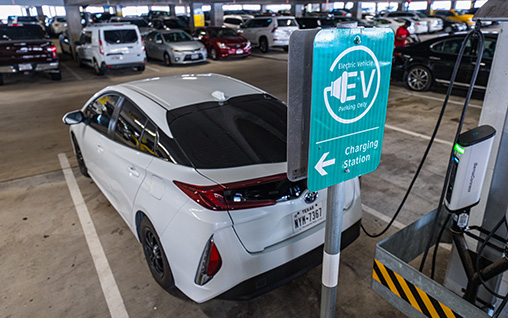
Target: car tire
419, 78
140, 68
56, 76
213, 54
79, 157
98, 70
263, 45
155, 256
167, 59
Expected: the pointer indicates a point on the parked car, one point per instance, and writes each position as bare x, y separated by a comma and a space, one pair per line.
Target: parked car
57, 25
65, 42
266, 32
422, 23
340, 13
26, 49
174, 47
432, 61
110, 46
169, 23
235, 21
25, 19
308, 22
144, 26
196, 166
223, 42
393, 23
450, 26
457, 15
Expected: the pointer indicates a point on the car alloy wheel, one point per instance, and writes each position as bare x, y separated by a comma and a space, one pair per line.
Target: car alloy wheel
167, 60
213, 54
155, 256
98, 70
263, 45
79, 157
419, 78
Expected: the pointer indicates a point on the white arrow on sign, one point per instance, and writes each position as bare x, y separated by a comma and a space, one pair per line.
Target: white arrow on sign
322, 163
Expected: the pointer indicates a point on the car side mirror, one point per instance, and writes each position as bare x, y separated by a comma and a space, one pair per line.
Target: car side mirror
74, 117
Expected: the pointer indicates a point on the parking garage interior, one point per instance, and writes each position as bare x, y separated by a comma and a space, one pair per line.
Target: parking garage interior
66, 251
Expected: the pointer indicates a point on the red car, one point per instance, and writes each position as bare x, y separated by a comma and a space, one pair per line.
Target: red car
223, 42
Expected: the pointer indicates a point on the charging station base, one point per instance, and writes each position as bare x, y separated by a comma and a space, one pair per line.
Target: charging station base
403, 286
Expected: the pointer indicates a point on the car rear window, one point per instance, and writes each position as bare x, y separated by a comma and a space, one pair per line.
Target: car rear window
120, 36
242, 131
23, 32
286, 22
174, 23
61, 19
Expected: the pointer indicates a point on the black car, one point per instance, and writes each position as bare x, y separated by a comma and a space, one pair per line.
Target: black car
422, 64
308, 22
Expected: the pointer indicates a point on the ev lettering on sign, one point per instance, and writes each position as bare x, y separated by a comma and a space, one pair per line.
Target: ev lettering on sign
350, 81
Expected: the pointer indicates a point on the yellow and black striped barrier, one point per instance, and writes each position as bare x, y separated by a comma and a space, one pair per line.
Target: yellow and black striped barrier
413, 295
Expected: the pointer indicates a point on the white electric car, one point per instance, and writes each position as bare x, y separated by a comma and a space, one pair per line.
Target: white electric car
196, 166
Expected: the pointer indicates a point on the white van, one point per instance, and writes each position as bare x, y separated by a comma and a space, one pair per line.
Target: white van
266, 32
108, 46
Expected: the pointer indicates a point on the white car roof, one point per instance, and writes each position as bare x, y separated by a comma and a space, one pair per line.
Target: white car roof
177, 91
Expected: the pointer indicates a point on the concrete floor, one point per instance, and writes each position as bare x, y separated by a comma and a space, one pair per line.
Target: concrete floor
46, 268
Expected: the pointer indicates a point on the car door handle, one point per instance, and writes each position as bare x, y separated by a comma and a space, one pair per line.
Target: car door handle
133, 172
100, 149
434, 58
481, 64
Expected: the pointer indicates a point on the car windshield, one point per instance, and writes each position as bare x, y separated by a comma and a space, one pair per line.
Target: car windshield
242, 131
120, 36
61, 19
175, 23
24, 32
139, 22
177, 37
222, 33
287, 22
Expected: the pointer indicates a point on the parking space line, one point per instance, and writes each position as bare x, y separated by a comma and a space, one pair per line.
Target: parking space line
408, 132
76, 75
152, 68
107, 280
435, 98
396, 223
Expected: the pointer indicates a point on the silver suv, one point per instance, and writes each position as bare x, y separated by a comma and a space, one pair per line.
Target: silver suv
266, 32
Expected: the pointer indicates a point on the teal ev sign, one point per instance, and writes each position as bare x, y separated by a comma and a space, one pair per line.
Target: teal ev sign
350, 82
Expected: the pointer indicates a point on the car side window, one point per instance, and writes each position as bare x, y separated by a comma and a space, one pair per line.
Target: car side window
250, 24
157, 37
490, 47
100, 111
168, 150
453, 47
130, 124
86, 37
148, 139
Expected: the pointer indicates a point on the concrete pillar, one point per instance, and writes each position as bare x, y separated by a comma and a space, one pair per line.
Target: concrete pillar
40, 14
73, 25
299, 10
356, 11
191, 20
401, 6
216, 14
172, 10
322, 7
454, 4
293, 8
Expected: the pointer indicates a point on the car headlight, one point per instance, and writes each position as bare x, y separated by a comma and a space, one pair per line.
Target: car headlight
222, 45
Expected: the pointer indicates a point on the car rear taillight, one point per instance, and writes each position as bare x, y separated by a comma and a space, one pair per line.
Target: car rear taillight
52, 49
274, 28
56, 24
100, 46
253, 193
209, 264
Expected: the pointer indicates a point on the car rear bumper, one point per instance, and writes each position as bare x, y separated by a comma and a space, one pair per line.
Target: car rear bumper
30, 67
125, 65
278, 276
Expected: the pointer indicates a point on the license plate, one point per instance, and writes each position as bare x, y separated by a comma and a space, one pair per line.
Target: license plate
25, 67
239, 51
116, 57
307, 217
195, 56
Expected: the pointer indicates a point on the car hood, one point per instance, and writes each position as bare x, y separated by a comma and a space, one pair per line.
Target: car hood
185, 46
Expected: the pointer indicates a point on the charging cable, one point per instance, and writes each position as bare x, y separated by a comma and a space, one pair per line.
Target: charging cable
434, 133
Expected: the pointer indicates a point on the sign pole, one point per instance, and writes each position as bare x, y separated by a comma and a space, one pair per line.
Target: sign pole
331, 253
